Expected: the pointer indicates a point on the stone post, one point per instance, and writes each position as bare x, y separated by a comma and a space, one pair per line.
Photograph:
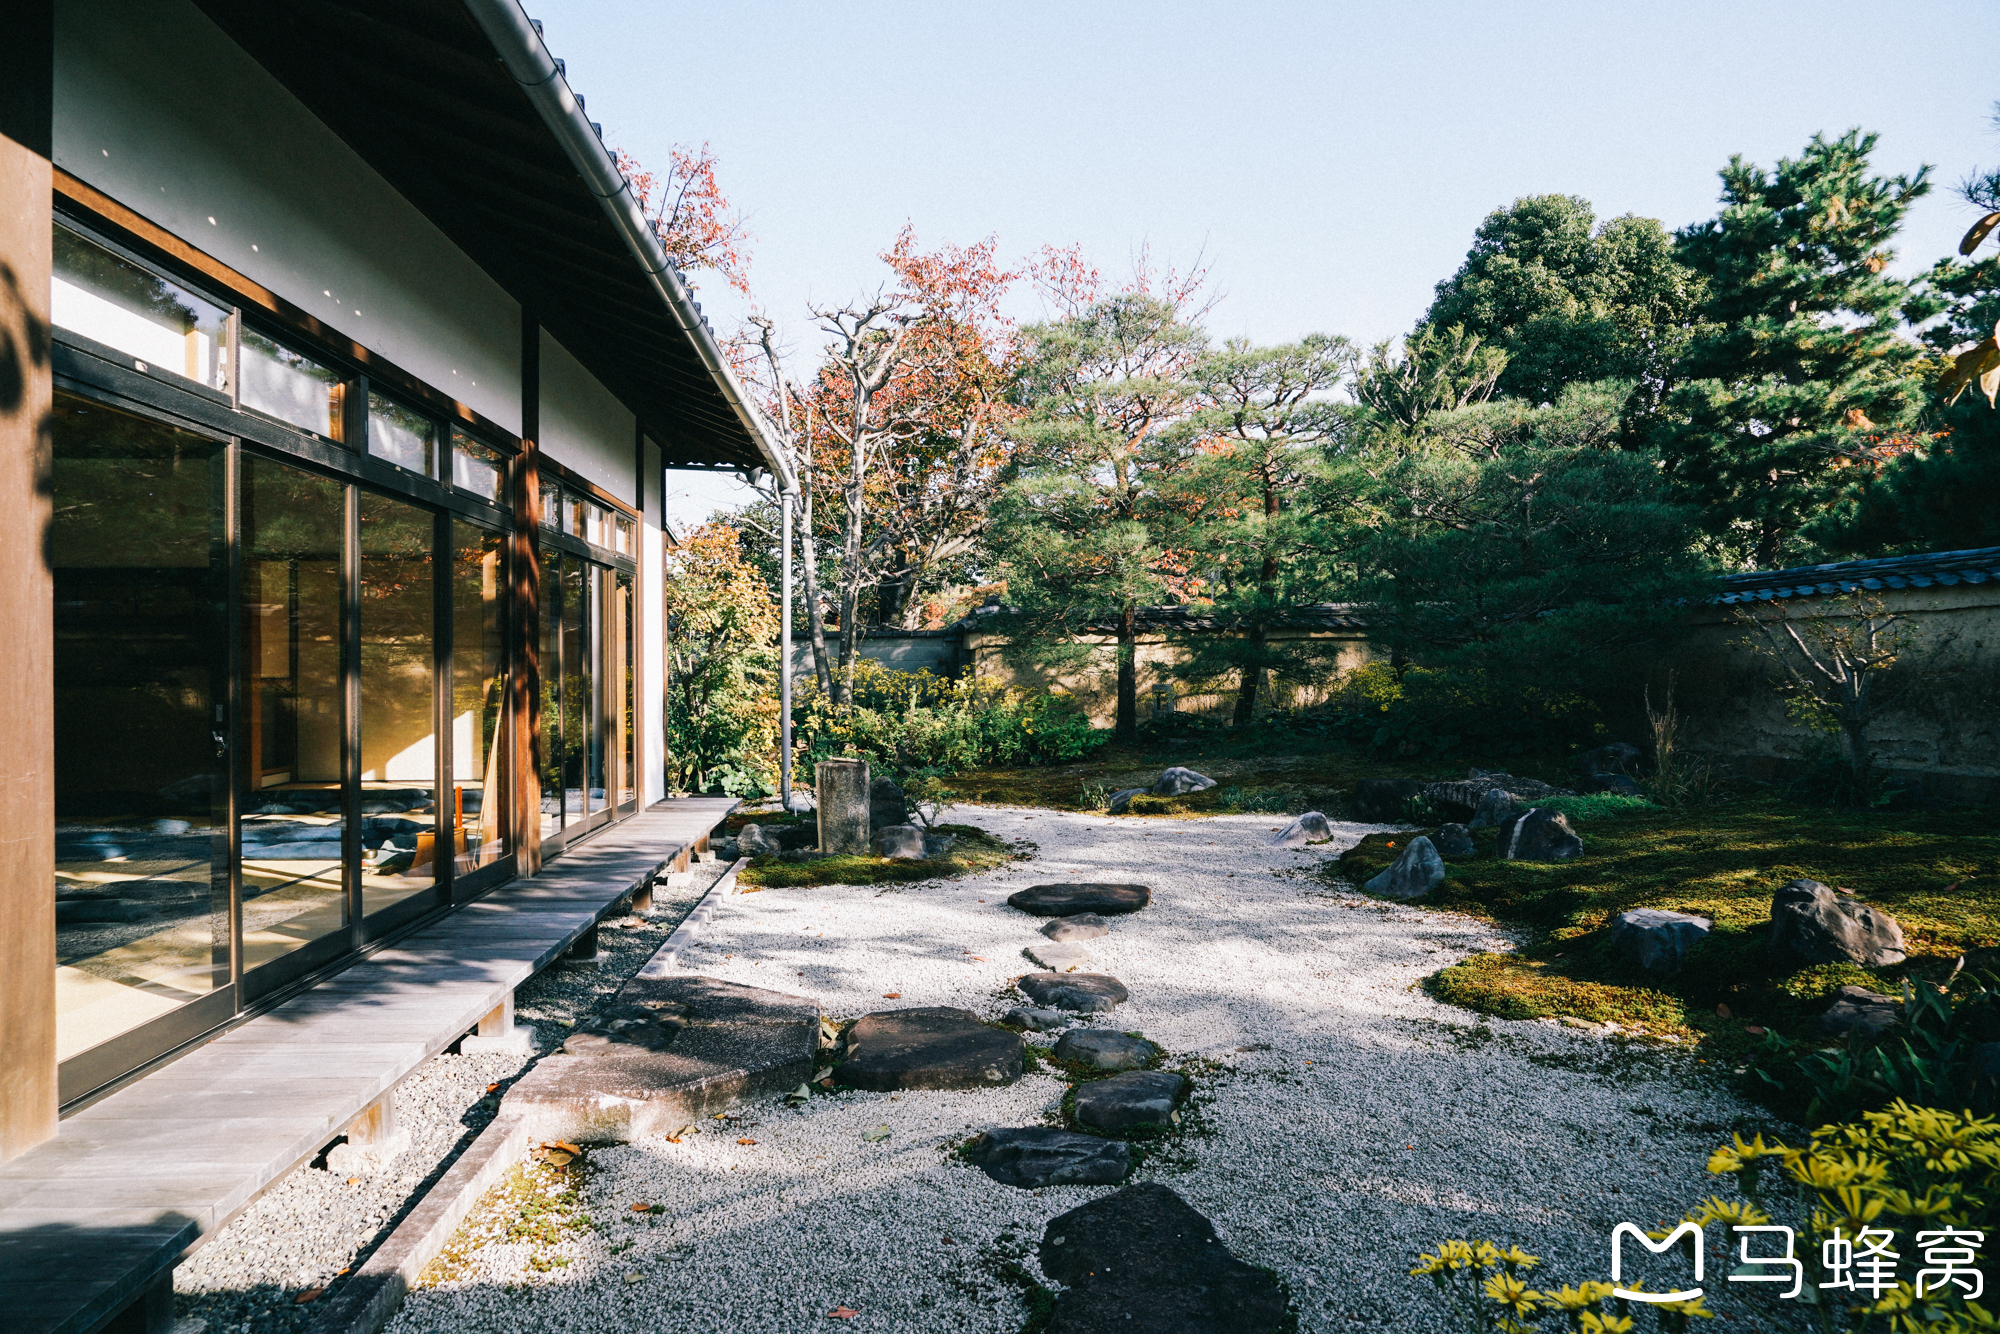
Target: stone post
841, 787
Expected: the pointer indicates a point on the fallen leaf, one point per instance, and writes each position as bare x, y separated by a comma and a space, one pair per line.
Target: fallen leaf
1722, 1012
557, 1158
892, 995
1970, 242
566, 1146
1754, 1031
746, 1141
641, 1208
1950, 887
949, 1242
842, 1313
980, 958
342, 1272
310, 1294
354, 1181
492, 1088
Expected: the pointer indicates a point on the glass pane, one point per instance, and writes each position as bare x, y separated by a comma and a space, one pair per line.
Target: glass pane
596, 525
293, 388
479, 468
405, 438
293, 531
551, 505
141, 828
596, 719
478, 694
627, 543
552, 694
576, 673
575, 507
119, 304
628, 787
399, 754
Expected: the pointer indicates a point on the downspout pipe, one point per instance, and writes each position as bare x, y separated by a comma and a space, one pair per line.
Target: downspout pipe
527, 59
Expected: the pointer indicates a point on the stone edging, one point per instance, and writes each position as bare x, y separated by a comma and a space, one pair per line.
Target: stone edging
667, 957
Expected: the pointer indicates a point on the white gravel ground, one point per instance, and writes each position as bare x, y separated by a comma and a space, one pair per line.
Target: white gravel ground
312, 1225
1343, 1120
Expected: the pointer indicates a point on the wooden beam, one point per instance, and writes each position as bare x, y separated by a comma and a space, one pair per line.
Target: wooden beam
526, 574
27, 590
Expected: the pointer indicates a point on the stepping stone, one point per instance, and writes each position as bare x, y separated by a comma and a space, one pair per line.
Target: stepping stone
1041, 1021
1101, 1049
935, 1047
1083, 926
1122, 1102
1142, 1259
1067, 900
1086, 993
1038, 1156
1060, 958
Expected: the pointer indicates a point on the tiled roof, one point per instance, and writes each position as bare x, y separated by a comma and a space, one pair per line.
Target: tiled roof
1937, 567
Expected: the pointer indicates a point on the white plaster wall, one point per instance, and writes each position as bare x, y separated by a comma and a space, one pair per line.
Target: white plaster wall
651, 696
583, 427
161, 111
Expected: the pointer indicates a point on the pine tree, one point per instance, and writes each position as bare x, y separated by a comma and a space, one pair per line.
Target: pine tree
1800, 360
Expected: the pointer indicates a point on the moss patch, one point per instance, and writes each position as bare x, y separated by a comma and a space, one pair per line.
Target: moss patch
975, 850
1937, 872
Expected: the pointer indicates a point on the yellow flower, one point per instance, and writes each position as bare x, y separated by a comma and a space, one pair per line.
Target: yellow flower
1510, 1294
1514, 1255
1571, 1299
1593, 1323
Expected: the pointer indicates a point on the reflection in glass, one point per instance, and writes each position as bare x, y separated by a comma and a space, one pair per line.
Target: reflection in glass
141, 889
399, 753
95, 293
628, 787
552, 508
627, 539
578, 712
405, 438
478, 694
293, 526
479, 468
597, 587
551, 770
283, 384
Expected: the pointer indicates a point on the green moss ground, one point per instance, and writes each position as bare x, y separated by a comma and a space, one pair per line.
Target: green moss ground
975, 850
1937, 872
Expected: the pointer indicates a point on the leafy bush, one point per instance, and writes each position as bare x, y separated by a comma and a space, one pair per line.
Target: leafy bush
1594, 806
1484, 1287
722, 714
1423, 711
904, 722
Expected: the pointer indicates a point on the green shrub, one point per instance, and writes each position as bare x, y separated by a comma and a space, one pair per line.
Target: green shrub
905, 722
1432, 712
1594, 806
1276, 800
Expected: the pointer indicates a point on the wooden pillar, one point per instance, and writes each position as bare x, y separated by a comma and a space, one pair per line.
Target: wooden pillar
27, 597
527, 578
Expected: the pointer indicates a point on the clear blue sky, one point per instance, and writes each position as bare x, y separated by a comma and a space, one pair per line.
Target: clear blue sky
1330, 160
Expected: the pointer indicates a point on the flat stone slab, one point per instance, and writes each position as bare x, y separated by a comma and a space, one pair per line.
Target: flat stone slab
1037, 1156
1086, 993
933, 1047
1057, 957
1080, 926
1067, 900
1127, 1101
1101, 1049
1041, 1021
1143, 1259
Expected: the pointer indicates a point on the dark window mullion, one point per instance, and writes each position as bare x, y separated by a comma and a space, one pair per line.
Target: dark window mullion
444, 807
350, 734
236, 762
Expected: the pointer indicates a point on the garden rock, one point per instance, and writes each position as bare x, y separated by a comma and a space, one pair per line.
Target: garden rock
886, 804
1416, 871
1068, 900
1813, 924
1141, 1259
842, 787
1083, 926
1657, 939
1453, 840
1122, 799
1859, 1010
904, 841
792, 836
1381, 800
937, 845
1059, 957
935, 1047
1127, 1101
1101, 1049
1537, 835
1085, 993
1178, 782
1035, 1156
1041, 1021
1308, 828
752, 841
1619, 757
1495, 807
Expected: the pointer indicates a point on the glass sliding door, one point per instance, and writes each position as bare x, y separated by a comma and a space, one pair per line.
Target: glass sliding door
624, 749
141, 792
293, 542
398, 818
477, 801
579, 711
551, 766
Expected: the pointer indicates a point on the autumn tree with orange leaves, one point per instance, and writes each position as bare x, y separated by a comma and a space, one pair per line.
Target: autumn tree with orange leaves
898, 437
1086, 530
689, 214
